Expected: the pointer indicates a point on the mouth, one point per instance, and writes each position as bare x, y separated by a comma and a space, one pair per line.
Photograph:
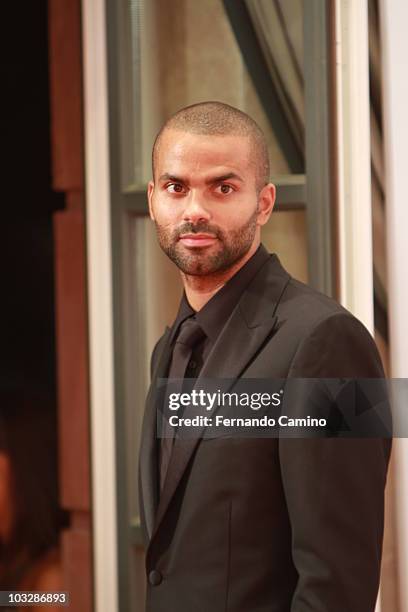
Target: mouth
197, 240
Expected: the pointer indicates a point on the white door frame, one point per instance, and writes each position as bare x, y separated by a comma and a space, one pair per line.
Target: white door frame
394, 42
354, 162
100, 314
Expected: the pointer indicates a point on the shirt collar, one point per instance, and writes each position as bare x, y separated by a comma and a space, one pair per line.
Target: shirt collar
214, 315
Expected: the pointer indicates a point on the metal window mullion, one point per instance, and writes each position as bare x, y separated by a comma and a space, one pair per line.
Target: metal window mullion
317, 145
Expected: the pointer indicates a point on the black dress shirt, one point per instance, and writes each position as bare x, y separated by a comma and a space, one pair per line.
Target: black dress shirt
216, 312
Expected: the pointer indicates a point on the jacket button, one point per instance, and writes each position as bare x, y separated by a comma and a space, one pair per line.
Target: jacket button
155, 577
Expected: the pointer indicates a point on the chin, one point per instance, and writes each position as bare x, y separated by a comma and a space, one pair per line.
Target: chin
197, 261
204, 267
196, 268
204, 261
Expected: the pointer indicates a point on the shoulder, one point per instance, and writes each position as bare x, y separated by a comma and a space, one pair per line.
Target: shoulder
311, 305
331, 340
313, 335
275, 291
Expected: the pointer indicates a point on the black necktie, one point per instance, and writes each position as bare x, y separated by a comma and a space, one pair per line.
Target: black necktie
190, 334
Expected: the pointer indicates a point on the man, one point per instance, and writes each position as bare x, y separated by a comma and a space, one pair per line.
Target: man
244, 524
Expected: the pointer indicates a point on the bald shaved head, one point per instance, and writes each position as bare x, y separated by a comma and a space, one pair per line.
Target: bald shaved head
219, 119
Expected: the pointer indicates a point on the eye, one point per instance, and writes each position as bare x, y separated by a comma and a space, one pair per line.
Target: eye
175, 188
224, 188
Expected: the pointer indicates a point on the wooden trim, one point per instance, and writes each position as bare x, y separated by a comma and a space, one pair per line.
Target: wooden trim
65, 64
71, 298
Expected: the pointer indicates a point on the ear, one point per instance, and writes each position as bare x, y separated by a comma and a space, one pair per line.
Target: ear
150, 189
266, 202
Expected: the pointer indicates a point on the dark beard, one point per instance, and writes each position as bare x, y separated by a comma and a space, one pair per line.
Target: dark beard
234, 246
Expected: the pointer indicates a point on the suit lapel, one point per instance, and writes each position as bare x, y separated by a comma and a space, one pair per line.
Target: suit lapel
148, 444
246, 343
250, 326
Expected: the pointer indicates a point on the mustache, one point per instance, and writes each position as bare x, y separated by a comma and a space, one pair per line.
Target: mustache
198, 228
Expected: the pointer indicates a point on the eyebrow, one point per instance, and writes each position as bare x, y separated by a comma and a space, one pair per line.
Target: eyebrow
216, 179
170, 177
224, 177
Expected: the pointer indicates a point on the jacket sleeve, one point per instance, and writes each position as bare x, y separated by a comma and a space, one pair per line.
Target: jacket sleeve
153, 358
334, 487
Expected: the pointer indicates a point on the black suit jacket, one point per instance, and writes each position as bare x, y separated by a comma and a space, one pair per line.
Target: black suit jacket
268, 525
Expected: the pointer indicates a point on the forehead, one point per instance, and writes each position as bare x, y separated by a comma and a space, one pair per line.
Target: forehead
185, 152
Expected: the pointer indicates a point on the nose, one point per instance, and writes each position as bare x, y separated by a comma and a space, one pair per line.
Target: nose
196, 209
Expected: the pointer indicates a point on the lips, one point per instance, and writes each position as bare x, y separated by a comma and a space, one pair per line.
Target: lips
197, 240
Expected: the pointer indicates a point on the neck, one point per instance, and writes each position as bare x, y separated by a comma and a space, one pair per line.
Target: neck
200, 289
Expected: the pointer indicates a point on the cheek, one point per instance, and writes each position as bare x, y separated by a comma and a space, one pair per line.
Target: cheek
164, 213
237, 214
165, 219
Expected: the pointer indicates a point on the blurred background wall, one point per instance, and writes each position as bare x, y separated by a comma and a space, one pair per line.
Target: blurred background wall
86, 290
44, 374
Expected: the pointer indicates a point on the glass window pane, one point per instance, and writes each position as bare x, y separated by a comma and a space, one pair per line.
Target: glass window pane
184, 51
285, 234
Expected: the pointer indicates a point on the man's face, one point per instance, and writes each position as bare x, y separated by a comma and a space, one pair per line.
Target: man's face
204, 201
